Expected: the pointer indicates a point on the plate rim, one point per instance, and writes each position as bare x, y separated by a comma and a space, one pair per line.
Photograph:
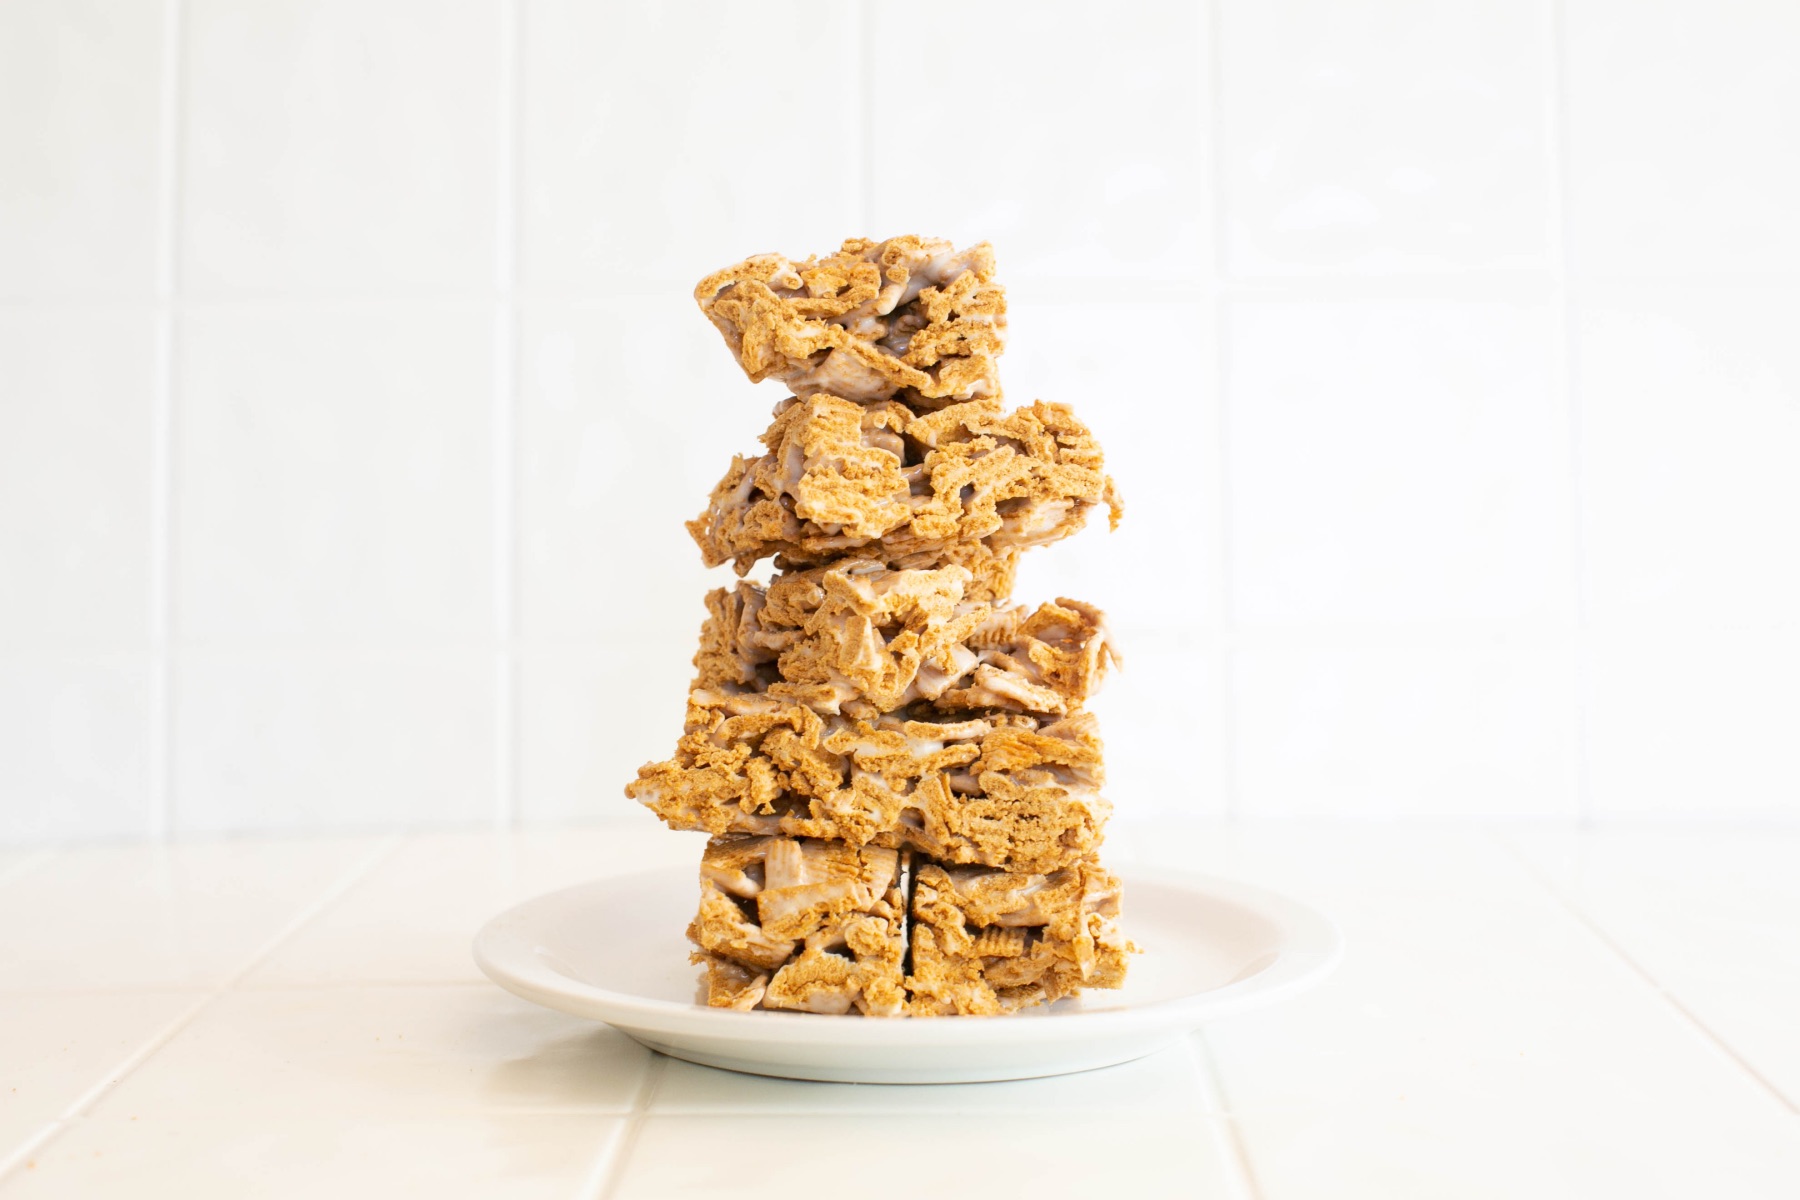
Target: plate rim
1310, 947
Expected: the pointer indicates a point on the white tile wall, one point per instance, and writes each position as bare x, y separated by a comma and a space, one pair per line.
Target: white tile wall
79, 89
332, 146
1396, 463
332, 475
1406, 136
339, 738
1682, 125
660, 142
1701, 725
1454, 729
1691, 432
75, 477
351, 396
629, 413
1071, 135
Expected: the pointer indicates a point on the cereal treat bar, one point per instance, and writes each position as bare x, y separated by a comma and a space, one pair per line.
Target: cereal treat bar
910, 316
1000, 789
986, 942
894, 760
802, 924
884, 481
860, 639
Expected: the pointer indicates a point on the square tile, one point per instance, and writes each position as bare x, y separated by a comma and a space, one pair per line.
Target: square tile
334, 473
1473, 1013
1690, 407
1706, 913
1143, 377
74, 747
1451, 730
1069, 135
381, 1051
1680, 136
75, 487
645, 156
272, 740
588, 719
1409, 465
629, 413
333, 146
57, 1047
305, 1157
412, 918
1697, 726
1045, 1155
80, 107
162, 916
1166, 1083
1405, 138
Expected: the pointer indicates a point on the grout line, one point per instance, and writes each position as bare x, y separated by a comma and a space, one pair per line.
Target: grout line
1567, 350
1675, 1002
865, 37
23, 1152
1215, 63
138, 1057
604, 1180
1222, 418
1240, 1176
504, 434
161, 757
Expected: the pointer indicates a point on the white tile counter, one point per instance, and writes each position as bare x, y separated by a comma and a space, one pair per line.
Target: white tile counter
1523, 1012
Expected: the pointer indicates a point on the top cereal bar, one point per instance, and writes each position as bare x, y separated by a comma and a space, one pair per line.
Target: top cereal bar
909, 316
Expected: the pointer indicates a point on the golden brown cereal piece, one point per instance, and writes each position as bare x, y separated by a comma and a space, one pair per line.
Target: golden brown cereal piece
802, 924
909, 315
1045, 660
882, 481
729, 984
859, 639
988, 942
1002, 789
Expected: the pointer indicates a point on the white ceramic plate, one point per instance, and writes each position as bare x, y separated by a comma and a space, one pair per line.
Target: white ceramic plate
614, 950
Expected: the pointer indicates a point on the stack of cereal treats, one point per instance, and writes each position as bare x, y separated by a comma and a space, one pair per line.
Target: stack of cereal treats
895, 762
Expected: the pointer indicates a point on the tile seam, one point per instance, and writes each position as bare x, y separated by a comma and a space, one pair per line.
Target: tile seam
1240, 1173
160, 759
1569, 380
23, 1153
504, 417
604, 1183
1599, 933
1214, 17
149, 1048
865, 51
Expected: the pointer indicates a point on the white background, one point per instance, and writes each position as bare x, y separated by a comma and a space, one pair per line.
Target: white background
352, 395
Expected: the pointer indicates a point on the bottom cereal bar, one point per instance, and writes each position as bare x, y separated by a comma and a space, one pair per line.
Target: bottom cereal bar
986, 941
820, 926
802, 923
